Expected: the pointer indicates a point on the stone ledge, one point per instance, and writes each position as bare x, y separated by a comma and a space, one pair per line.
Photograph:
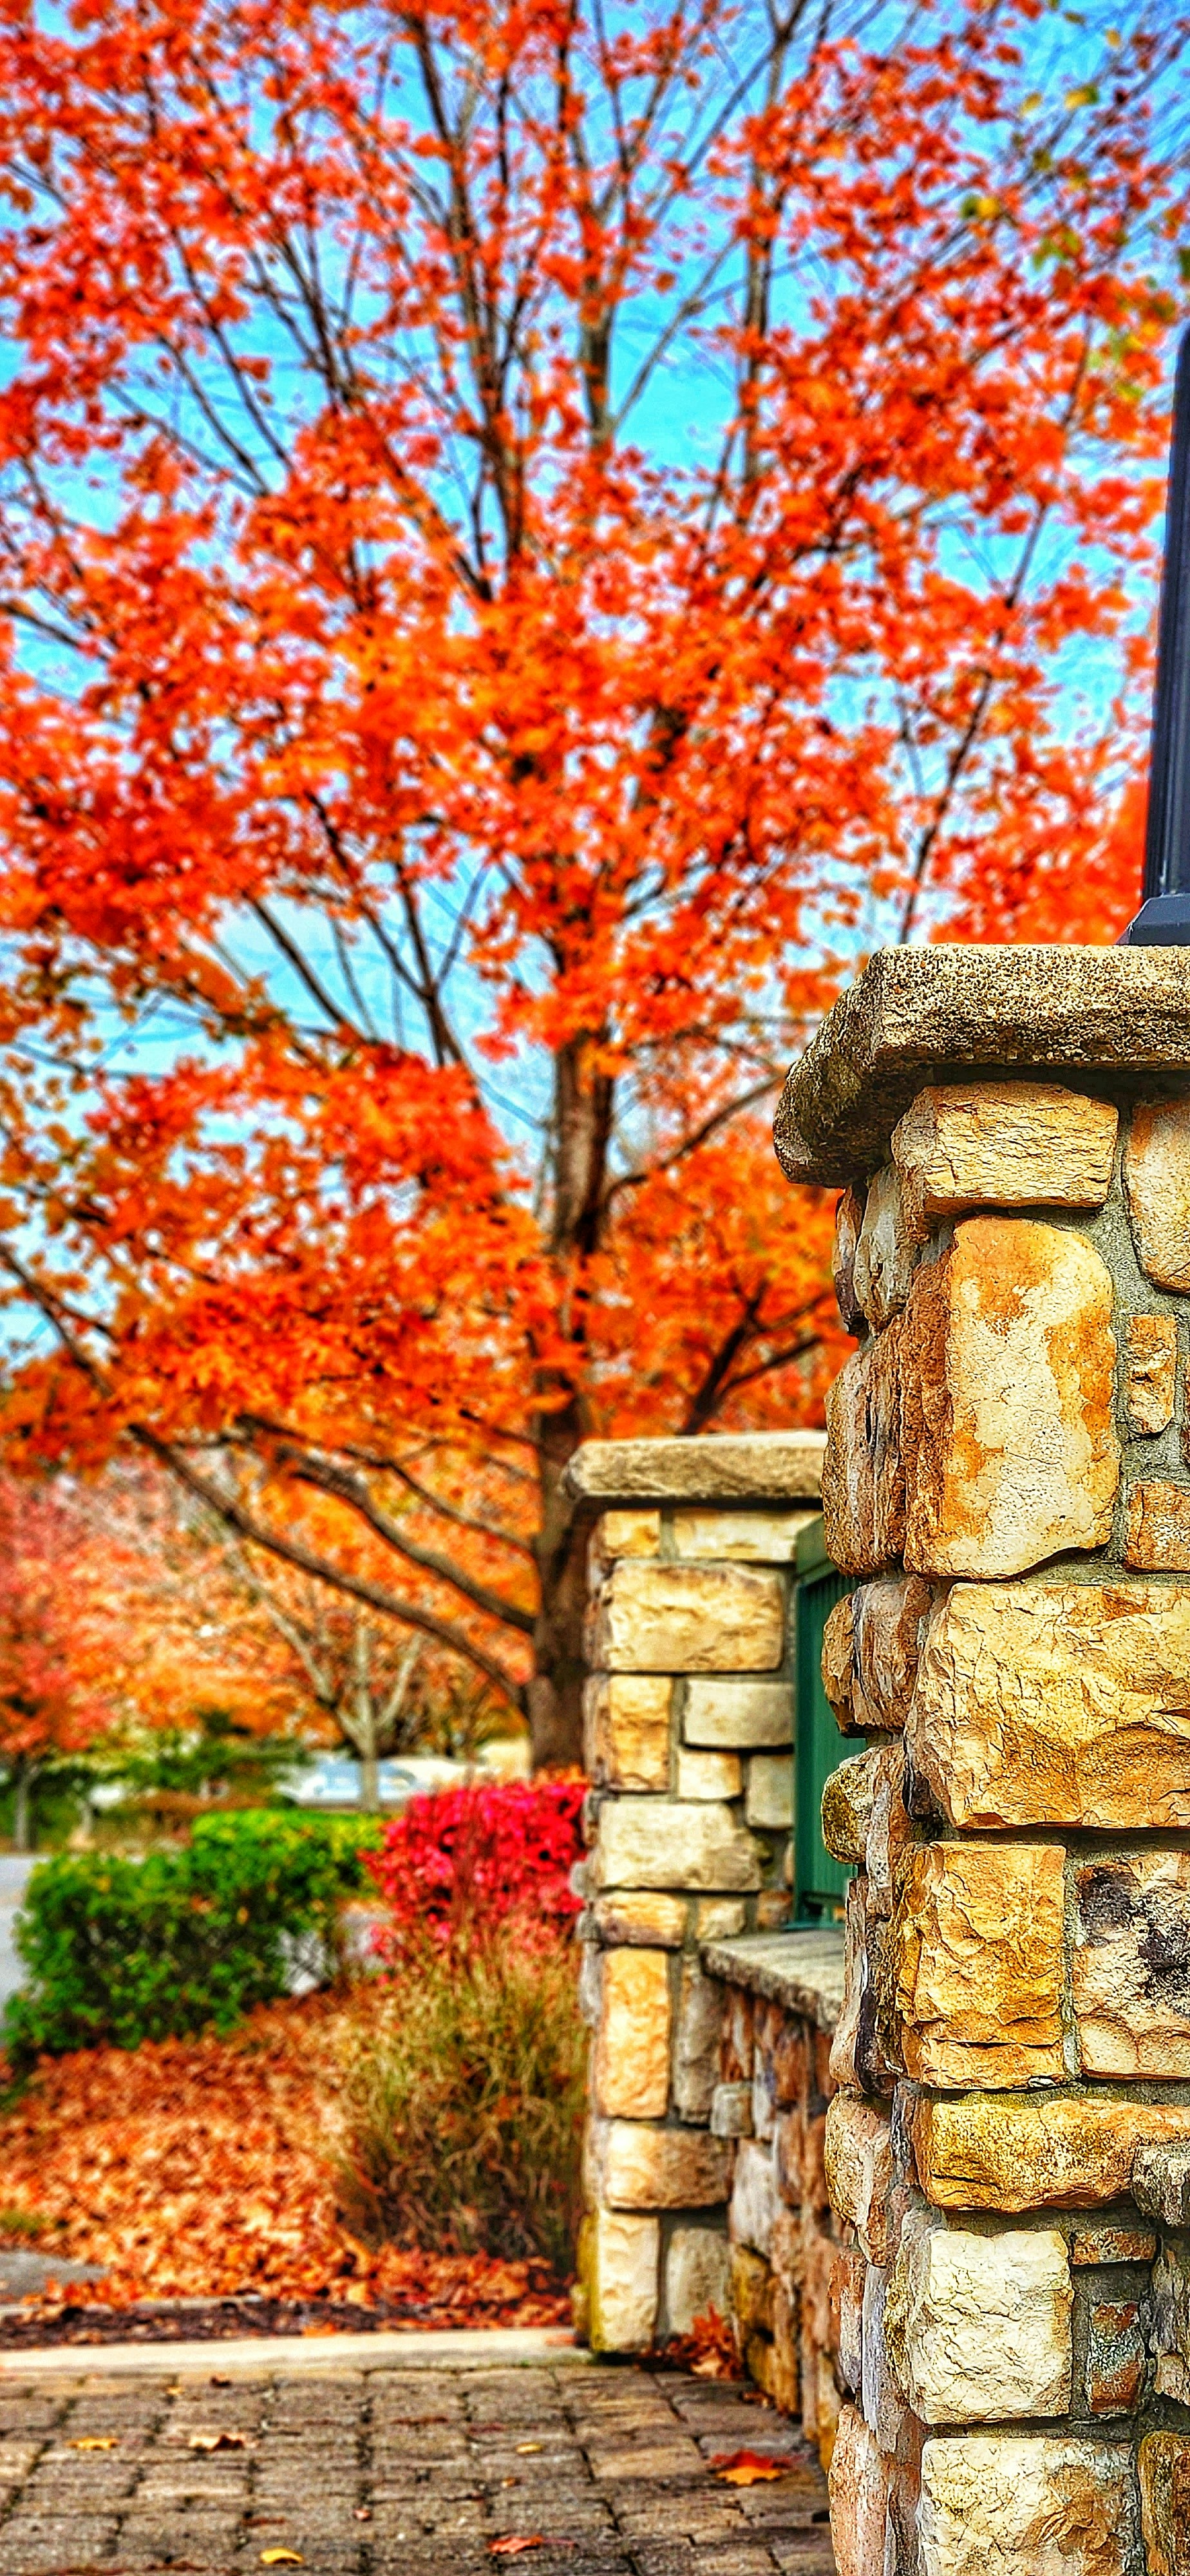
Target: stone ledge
717, 1467
927, 1015
801, 1970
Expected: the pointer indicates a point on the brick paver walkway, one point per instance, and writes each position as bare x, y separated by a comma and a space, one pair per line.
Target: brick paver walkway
370, 2470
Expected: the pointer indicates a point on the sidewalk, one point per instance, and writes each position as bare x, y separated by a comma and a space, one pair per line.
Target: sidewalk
367, 2472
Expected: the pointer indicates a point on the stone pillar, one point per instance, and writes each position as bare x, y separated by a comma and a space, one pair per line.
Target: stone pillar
689, 1735
1007, 1481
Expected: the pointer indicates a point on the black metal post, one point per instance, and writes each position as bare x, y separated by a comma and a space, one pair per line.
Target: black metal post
1164, 917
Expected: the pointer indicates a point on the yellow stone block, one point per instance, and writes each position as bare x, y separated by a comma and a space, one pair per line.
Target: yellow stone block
1037, 2151
631, 2060
1006, 1145
978, 1965
627, 1729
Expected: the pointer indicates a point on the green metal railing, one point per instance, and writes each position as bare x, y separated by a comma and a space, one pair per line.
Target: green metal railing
820, 1883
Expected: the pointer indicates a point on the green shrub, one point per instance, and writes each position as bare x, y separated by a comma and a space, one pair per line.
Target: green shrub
462, 2104
125, 1950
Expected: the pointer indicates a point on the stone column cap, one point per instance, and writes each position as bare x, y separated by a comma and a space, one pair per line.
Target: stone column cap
715, 1467
804, 1971
925, 1015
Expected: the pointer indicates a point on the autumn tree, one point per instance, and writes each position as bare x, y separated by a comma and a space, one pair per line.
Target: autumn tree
55, 1695
532, 533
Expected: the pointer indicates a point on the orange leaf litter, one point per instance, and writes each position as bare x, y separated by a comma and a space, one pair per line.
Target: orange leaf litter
198, 2168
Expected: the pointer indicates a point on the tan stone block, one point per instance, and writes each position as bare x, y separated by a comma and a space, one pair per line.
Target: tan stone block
886, 1254
1114, 2374
977, 1946
754, 2197
1157, 1190
979, 2327
624, 2262
648, 1920
858, 2159
1150, 1372
719, 1919
838, 1664
745, 1537
858, 2060
696, 2048
663, 1843
1025, 2504
890, 1621
849, 1217
1009, 1439
1157, 1528
1130, 1968
627, 1729
689, 1618
738, 1716
707, 1775
1111, 2241
1056, 1703
631, 2059
634, 1533
697, 2277
847, 1802
1052, 2151
1169, 2322
768, 1800
752, 2291
647, 2168
859, 2480
1004, 1145
863, 1486
1163, 2469
888, 1833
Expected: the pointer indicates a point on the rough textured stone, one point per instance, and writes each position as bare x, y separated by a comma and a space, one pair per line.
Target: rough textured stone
1115, 2240
707, 1775
630, 2073
657, 1842
1056, 1703
649, 1921
738, 1716
1150, 1372
978, 1963
929, 1015
696, 2277
768, 1799
719, 1918
801, 1971
1061, 2151
838, 1663
1169, 2322
1163, 2469
858, 2158
863, 1486
887, 1251
847, 1802
1007, 1365
689, 1618
624, 2257
858, 2060
627, 1729
754, 2202
859, 2481
1025, 2504
721, 1466
979, 2327
759, 1537
1157, 1189
1161, 2187
625, 1534
890, 1620
880, 2398
731, 2111
888, 1831
849, 1216
1157, 1528
646, 2168
1004, 1144
1115, 2368
1130, 1969
696, 2046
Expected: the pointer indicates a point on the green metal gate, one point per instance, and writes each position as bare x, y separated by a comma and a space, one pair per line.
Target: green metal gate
820, 1883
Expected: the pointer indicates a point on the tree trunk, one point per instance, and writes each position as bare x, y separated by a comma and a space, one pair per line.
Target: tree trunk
22, 1808
369, 1777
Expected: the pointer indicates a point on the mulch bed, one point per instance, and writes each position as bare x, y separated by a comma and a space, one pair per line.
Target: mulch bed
214, 2320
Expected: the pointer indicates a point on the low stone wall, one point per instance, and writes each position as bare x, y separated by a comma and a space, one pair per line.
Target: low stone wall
791, 2276
689, 1718
1007, 1481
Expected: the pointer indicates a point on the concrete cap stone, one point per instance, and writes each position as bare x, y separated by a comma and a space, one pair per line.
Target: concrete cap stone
804, 1971
717, 1467
939, 1014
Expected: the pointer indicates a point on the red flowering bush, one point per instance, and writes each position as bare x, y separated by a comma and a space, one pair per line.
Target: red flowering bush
461, 1863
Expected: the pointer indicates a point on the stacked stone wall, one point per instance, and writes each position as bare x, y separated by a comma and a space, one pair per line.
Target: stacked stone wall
1008, 2148
689, 1721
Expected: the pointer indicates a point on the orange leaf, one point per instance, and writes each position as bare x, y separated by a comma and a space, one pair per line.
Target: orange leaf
281, 2558
748, 2468
95, 2442
511, 2544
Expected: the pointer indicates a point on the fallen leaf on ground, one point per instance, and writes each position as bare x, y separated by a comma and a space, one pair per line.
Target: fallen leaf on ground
363, 2513
748, 2468
95, 2442
220, 2441
511, 2544
281, 2558
530, 2446
220, 2379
